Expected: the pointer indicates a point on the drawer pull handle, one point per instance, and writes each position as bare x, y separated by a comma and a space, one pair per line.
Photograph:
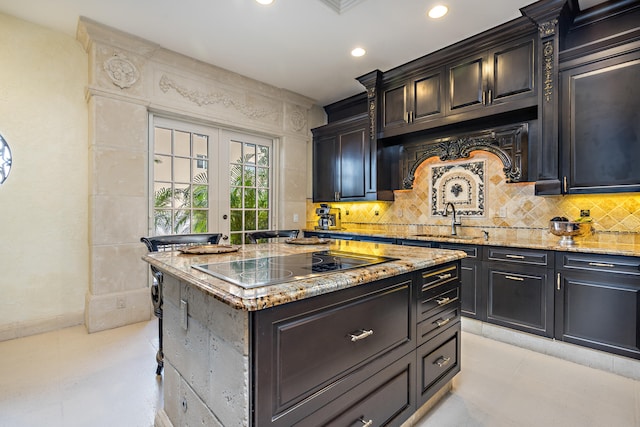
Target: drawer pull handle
442, 361
444, 276
366, 423
514, 256
519, 279
442, 301
442, 322
362, 335
601, 264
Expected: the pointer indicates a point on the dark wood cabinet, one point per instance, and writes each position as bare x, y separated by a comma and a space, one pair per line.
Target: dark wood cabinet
384, 399
412, 102
600, 136
472, 298
504, 75
349, 357
519, 286
341, 161
438, 362
598, 302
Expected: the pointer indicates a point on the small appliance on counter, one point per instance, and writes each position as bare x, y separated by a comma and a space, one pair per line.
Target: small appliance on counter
330, 218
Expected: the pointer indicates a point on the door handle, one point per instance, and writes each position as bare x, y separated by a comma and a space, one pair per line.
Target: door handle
225, 237
442, 361
362, 335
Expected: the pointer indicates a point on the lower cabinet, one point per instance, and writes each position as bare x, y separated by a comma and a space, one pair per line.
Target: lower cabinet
438, 362
520, 289
598, 302
592, 300
383, 399
351, 357
472, 298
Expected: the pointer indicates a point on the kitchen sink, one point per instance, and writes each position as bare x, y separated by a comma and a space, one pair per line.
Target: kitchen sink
447, 236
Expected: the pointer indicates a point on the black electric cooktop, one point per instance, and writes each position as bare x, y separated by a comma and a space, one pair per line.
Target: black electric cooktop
252, 273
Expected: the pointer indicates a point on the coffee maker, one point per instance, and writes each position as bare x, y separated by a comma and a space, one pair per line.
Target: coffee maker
329, 218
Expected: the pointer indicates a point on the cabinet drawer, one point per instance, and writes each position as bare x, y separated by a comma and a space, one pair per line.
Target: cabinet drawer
471, 251
311, 346
519, 256
440, 290
438, 362
436, 323
433, 281
422, 243
605, 263
383, 399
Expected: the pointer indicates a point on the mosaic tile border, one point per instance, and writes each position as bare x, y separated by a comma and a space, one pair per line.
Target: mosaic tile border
462, 184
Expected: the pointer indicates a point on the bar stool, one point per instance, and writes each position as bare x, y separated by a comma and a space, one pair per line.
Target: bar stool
170, 243
271, 234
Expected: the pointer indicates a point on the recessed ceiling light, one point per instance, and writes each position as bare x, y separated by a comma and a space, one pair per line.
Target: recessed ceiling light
265, 1
358, 52
438, 11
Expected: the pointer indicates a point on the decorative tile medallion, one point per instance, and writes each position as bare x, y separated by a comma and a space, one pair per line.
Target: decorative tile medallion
462, 184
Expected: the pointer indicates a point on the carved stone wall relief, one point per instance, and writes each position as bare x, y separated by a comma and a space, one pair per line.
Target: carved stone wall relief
224, 99
5, 160
122, 72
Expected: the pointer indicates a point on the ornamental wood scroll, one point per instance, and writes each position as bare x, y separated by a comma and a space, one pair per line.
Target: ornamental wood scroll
508, 144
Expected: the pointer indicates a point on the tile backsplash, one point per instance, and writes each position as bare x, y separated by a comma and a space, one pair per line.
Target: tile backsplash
509, 208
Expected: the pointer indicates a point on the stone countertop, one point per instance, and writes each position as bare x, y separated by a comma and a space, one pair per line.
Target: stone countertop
543, 240
409, 259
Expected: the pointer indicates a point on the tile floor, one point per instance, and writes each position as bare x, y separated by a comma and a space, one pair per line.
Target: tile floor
70, 378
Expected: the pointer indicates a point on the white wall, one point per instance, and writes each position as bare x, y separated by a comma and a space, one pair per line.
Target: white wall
43, 204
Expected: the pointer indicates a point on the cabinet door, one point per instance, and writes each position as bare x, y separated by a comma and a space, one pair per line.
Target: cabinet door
600, 126
413, 102
500, 80
353, 156
394, 106
513, 75
599, 310
427, 97
470, 280
324, 169
467, 84
520, 297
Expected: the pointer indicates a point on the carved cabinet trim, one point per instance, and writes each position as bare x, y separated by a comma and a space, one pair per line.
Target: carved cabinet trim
508, 143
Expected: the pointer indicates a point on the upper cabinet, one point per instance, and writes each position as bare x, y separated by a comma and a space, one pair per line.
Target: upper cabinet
501, 79
600, 121
345, 163
479, 77
588, 97
413, 101
566, 79
341, 163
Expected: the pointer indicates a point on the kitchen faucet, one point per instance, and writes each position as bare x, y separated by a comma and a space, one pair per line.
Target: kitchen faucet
454, 222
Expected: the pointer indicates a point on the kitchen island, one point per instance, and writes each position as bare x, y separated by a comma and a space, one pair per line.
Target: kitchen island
368, 344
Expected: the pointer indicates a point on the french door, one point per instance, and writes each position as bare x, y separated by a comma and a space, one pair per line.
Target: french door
207, 179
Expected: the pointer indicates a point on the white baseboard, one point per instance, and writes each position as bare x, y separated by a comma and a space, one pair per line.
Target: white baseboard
597, 359
38, 326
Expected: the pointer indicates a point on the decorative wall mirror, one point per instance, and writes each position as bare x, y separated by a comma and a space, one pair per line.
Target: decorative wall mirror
5, 160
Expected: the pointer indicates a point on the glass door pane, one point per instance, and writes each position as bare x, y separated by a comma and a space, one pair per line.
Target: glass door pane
250, 189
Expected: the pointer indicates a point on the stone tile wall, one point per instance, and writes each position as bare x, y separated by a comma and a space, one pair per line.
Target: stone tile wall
510, 208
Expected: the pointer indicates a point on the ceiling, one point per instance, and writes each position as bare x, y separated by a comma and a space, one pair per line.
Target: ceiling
300, 45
